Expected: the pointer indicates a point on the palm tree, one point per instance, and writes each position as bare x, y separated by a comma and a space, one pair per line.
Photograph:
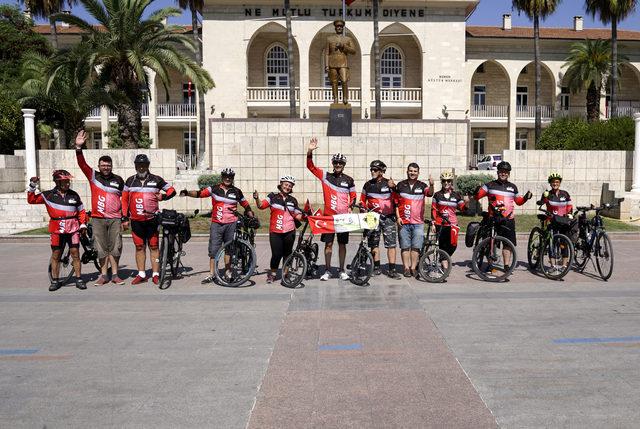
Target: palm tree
45, 9
125, 48
376, 58
195, 7
612, 11
536, 9
291, 69
587, 66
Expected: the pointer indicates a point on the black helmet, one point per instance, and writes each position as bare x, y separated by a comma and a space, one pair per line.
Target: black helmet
504, 165
142, 159
378, 164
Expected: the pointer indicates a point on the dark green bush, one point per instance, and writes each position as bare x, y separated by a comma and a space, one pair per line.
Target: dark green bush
467, 184
578, 134
206, 180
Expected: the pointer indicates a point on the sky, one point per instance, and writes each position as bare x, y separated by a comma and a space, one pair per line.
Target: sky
489, 12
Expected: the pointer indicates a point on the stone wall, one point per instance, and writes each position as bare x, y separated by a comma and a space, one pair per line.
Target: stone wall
12, 174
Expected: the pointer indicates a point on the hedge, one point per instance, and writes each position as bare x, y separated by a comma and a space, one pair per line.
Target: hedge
578, 134
206, 180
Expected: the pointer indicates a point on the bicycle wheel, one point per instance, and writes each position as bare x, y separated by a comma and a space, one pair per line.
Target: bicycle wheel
556, 257
65, 267
361, 267
242, 263
604, 255
434, 265
534, 246
581, 254
165, 267
294, 270
177, 255
488, 259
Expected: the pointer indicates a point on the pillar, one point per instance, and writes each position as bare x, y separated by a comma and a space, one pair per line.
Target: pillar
635, 187
153, 111
29, 116
104, 126
365, 86
303, 84
513, 112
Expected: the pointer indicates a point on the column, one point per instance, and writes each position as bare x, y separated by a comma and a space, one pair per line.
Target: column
513, 112
303, 84
29, 116
365, 86
153, 113
635, 187
104, 126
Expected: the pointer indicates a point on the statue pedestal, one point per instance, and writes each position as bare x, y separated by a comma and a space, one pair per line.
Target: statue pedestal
339, 120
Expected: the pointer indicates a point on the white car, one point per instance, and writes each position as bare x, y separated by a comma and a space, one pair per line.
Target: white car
489, 162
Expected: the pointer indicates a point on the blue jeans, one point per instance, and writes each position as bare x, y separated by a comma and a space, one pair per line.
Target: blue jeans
411, 236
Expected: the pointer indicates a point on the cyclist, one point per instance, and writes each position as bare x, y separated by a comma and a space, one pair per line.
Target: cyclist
68, 221
339, 192
140, 197
409, 200
559, 203
282, 226
504, 194
444, 204
225, 198
377, 194
106, 211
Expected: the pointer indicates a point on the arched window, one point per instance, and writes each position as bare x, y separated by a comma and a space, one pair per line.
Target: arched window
391, 67
277, 66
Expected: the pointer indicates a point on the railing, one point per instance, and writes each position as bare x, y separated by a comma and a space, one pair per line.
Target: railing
175, 110
398, 95
270, 94
571, 112
325, 94
145, 110
628, 111
484, 111
530, 111
96, 113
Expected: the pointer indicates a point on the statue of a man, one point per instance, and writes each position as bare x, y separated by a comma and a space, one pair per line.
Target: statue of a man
336, 63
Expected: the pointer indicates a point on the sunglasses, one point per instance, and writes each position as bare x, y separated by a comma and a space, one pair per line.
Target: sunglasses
375, 170
447, 181
339, 163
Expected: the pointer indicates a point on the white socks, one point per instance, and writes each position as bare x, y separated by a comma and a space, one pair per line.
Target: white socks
142, 274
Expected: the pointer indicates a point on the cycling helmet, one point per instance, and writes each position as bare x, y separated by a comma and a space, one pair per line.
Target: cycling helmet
554, 176
228, 172
62, 175
289, 179
338, 157
504, 165
141, 158
378, 164
446, 175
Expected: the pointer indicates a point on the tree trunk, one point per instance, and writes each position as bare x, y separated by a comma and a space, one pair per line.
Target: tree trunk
613, 104
54, 33
129, 125
290, 55
536, 59
593, 103
376, 60
202, 124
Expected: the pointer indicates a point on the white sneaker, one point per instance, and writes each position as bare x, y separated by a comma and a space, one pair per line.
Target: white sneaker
326, 276
344, 276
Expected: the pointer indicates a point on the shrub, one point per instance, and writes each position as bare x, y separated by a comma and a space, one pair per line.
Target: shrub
560, 133
206, 180
578, 134
467, 184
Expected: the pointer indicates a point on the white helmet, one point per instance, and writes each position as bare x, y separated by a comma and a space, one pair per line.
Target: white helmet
339, 157
289, 179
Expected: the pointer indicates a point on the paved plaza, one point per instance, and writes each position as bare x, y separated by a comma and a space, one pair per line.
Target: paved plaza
465, 354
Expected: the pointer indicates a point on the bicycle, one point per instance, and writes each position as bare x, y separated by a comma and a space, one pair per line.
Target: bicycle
434, 265
489, 249
89, 254
361, 267
238, 256
301, 264
593, 241
547, 246
175, 232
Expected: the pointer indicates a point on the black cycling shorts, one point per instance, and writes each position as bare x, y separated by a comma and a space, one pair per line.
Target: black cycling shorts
507, 228
343, 237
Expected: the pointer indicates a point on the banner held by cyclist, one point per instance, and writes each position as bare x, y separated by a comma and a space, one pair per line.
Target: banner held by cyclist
68, 220
141, 196
106, 211
225, 198
444, 205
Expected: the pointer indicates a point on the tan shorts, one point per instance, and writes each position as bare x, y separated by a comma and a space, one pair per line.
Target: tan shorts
107, 237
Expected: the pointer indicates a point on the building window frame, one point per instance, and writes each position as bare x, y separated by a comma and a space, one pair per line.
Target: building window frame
276, 78
564, 98
185, 93
522, 96
522, 138
391, 80
96, 139
479, 141
480, 95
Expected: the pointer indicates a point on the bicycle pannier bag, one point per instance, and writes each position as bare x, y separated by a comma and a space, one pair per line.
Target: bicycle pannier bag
470, 236
169, 218
185, 230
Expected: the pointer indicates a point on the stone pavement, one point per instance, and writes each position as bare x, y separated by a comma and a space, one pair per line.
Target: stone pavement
527, 353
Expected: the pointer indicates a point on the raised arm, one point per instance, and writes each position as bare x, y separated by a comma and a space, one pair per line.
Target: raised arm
32, 197
313, 145
81, 139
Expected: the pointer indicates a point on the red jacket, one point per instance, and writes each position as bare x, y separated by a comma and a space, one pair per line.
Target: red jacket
501, 193
283, 211
65, 210
410, 201
440, 204
140, 197
339, 191
224, 202
106, 192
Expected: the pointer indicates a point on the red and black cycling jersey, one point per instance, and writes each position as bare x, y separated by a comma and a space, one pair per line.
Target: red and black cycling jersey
140, 197
448, 203
558, 203
503, 194
65, 210
339, 191
106, 192
378, 196
283, 210
224, 202
409, 199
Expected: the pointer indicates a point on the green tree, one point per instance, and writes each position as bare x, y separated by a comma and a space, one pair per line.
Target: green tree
536, 9
46, 9
612, 11
125, 48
